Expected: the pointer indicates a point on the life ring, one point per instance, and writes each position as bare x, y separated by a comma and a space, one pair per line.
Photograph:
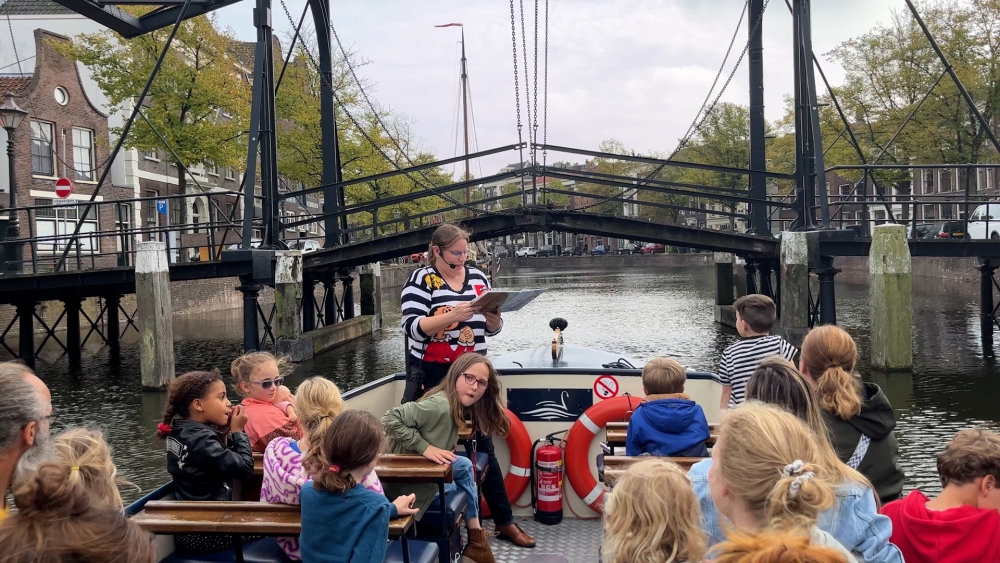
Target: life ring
519, 473
581, 434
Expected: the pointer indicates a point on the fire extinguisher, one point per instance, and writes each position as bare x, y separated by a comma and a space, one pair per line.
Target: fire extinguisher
547, 480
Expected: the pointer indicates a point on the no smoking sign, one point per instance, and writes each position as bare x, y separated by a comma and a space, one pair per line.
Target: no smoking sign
606, 387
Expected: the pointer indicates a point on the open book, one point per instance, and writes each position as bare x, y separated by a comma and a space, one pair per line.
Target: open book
504, 301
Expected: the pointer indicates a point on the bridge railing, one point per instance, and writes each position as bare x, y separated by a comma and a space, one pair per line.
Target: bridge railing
896, 194
108, 234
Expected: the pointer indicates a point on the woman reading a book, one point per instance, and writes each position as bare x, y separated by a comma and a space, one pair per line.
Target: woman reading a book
441, 325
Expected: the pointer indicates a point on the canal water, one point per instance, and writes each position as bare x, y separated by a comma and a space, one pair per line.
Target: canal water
641, 313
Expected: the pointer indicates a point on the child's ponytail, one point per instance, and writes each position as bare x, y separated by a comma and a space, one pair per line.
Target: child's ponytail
352, 441
799, 496
183, 391
829, 355
774, 547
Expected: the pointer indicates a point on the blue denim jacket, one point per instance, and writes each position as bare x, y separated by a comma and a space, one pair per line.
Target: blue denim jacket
854, 520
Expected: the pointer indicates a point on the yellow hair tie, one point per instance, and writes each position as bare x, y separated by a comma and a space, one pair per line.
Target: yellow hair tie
75, 468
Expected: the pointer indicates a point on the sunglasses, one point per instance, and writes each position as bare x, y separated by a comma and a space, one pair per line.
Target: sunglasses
267, 383
471, 379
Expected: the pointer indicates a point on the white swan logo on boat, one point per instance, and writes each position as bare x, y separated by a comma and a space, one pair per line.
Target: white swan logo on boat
551, 410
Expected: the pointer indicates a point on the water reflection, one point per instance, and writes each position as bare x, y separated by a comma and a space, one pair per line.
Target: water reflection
642, 314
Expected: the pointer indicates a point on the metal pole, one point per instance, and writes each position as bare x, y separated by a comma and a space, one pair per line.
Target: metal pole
14, 256
465, 119
827, 295
758, 157
330, 149
986, 318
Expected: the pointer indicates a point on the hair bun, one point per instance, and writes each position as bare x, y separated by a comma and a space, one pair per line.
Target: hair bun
51, 493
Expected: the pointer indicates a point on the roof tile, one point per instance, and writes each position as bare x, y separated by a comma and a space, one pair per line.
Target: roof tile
32, 8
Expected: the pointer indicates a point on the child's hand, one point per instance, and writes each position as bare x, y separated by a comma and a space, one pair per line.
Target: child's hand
284, 394
290, 413
437, 455
238, 418
404, 505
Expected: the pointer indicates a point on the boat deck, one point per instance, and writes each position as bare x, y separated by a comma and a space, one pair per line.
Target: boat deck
572, 541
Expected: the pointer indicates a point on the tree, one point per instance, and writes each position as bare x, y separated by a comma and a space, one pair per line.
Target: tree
199, 100
597, 194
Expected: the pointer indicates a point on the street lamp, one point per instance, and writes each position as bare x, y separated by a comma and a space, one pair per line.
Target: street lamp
10, 117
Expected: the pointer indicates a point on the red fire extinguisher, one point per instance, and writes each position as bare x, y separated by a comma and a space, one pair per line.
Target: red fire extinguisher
547, 482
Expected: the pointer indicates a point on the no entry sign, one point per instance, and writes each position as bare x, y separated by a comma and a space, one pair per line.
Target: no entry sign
606, 387
64, 187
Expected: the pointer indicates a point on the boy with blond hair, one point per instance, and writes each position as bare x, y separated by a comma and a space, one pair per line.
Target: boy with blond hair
755, 315
961, 525
667, 422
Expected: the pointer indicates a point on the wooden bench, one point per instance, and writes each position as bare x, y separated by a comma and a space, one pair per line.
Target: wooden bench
232, 517
392, 468
615, 466
618, 434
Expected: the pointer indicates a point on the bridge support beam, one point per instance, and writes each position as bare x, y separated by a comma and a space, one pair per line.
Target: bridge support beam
330, 313
154, 318
798, 251
308, 305
26, 336
891, 309
827, 295
348, 281
371, 294
251, 326
73, 347
724, 289
113, 326
987, 310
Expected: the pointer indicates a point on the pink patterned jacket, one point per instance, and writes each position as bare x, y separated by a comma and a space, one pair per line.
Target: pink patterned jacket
284, 478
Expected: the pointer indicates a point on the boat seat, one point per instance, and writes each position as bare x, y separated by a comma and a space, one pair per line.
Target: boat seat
420, 552
481, 464
455, 503
260, 551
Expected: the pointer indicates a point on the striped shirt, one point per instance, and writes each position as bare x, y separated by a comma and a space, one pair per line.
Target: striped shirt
426, 294
741, 359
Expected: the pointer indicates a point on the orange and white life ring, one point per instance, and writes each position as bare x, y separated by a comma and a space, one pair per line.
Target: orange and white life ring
578, 448
519, 472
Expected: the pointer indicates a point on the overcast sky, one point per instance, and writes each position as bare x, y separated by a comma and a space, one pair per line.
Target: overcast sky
633, 70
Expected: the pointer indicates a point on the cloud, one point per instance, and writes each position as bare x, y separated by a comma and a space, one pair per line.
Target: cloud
633, 70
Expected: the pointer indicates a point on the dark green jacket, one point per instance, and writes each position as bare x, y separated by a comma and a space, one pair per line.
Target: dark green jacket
877, 421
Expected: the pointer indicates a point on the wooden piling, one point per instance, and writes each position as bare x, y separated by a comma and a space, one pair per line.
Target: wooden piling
891, 310
371, 294
288, 295
724, 282
156, 331
798, 252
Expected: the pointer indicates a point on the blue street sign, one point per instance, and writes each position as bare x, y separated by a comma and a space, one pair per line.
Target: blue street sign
161, 206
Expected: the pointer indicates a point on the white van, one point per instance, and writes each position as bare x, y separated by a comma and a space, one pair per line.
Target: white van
984, 223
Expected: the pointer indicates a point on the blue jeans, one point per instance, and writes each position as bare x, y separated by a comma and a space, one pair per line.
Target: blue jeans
461, 470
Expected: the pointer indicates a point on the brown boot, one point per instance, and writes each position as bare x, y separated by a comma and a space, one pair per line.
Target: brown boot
515, 535
478, 549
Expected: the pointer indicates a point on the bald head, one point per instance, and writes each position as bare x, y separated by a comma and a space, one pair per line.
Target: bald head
39, 386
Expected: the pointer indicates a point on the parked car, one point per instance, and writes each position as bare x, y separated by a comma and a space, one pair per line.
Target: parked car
305, 245
526, 251
502, 253
572, 251
948, 230
654, 248
548, 250
254, 243
984, 223
600, 250
630, 248
418, 257
923, 231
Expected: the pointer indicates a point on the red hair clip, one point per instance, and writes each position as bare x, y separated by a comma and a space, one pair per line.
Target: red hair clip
334, 469
164, 428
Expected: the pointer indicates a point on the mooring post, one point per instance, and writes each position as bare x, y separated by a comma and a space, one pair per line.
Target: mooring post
26, 336
73, 347
113, 329
308, 304
987, 319
288, 295
890, 282
798, 249
827, 295
156, 330
724, 286
371, 294
348, 281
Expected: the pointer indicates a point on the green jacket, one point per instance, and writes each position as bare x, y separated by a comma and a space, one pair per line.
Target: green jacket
412, 427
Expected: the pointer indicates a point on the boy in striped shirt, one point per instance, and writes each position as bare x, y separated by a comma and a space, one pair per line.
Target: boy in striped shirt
755, 316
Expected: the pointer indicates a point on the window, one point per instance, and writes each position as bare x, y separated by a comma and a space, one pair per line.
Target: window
61, 95
230, 174
150, 155
83, 154
211, 169
845, 189
60, 221
946, 211
928, 181
175, 211
42, 156
229, 210
945, 180
929, 211
123, 223
879, 217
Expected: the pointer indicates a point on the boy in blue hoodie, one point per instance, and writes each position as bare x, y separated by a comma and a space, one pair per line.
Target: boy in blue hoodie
668, 422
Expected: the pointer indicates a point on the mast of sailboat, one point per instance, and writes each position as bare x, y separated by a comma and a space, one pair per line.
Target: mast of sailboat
465, 114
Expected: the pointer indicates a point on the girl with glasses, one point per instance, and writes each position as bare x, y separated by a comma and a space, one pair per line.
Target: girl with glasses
269, 404
429, 427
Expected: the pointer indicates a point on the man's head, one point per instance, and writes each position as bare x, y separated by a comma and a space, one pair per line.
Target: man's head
661, 376
24, 418
973, 458
755, 314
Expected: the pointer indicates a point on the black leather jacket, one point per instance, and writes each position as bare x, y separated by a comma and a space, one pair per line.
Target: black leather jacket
203, 467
